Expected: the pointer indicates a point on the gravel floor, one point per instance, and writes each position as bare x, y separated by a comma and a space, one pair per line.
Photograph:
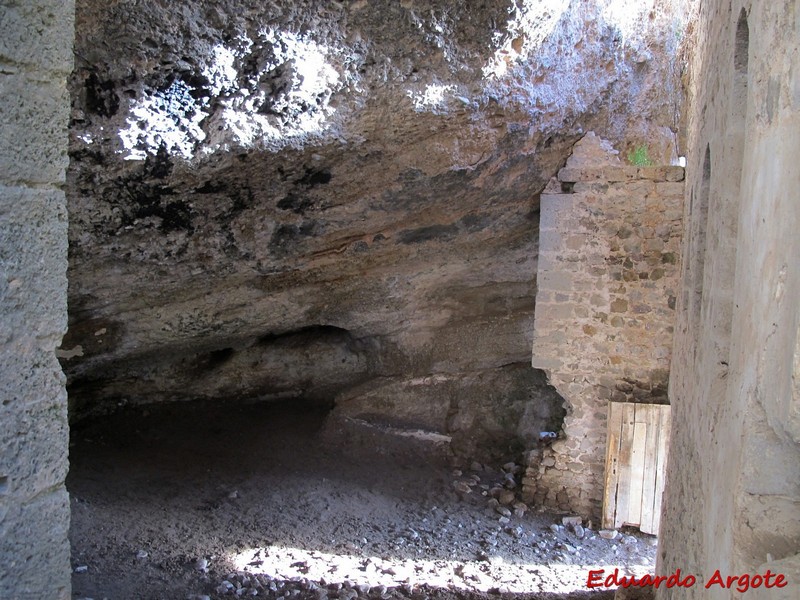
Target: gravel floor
223, 501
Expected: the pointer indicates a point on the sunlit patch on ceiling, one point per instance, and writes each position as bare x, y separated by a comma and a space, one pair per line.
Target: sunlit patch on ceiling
221, 73
270, 93
432, 98
530, 22
626, 15
171, 117
284, 95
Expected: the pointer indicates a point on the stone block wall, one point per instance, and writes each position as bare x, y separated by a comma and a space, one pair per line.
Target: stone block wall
607, 283
35, 60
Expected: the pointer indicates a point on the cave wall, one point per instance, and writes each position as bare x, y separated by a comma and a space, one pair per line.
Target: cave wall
605, 308
732, 496
246, 175
35, 61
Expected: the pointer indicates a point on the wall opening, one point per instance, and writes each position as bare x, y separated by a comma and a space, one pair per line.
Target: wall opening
699, 220
727, 214
741, 57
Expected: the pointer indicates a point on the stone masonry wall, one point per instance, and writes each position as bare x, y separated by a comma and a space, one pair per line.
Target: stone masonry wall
607, 282
35, 60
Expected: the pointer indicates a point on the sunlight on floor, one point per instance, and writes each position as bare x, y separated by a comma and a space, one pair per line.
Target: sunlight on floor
288, 563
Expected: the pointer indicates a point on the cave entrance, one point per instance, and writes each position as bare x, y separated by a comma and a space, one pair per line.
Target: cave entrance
221, 499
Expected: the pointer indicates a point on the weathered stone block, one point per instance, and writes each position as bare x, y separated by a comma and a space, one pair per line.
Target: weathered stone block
574, 174
654, 173
37, 33
559, 311
545, 362
34, 439
33, 269
625, 173
620, 305
550, 240
34, 547
670, 190
556, 280
675, 173
33, 119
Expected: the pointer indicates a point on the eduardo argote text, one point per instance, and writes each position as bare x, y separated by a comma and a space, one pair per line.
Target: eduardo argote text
600, 578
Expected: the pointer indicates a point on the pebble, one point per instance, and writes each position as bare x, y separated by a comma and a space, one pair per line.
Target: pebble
555, 528
461, 486
503, 511
141, 554
608, 534
579, 531
517, 532
476, 466
504, 520
628, 539
506, 497
571, 521
201, 564
81, 569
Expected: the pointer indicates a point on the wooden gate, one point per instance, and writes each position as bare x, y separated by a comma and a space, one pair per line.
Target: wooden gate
636, 459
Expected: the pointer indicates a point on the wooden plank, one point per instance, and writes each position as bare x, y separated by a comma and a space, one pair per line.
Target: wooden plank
638, 451
624, 465
665, 424
613, 431
649, 517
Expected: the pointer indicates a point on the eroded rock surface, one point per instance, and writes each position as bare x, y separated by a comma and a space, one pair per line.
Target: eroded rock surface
338, 200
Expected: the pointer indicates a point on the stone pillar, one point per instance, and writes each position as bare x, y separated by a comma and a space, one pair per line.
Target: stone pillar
35, 60
606, 288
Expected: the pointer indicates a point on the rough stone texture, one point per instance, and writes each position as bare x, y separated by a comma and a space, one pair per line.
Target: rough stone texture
244, 173
732, 497
790, 568
607, 282
35, 60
